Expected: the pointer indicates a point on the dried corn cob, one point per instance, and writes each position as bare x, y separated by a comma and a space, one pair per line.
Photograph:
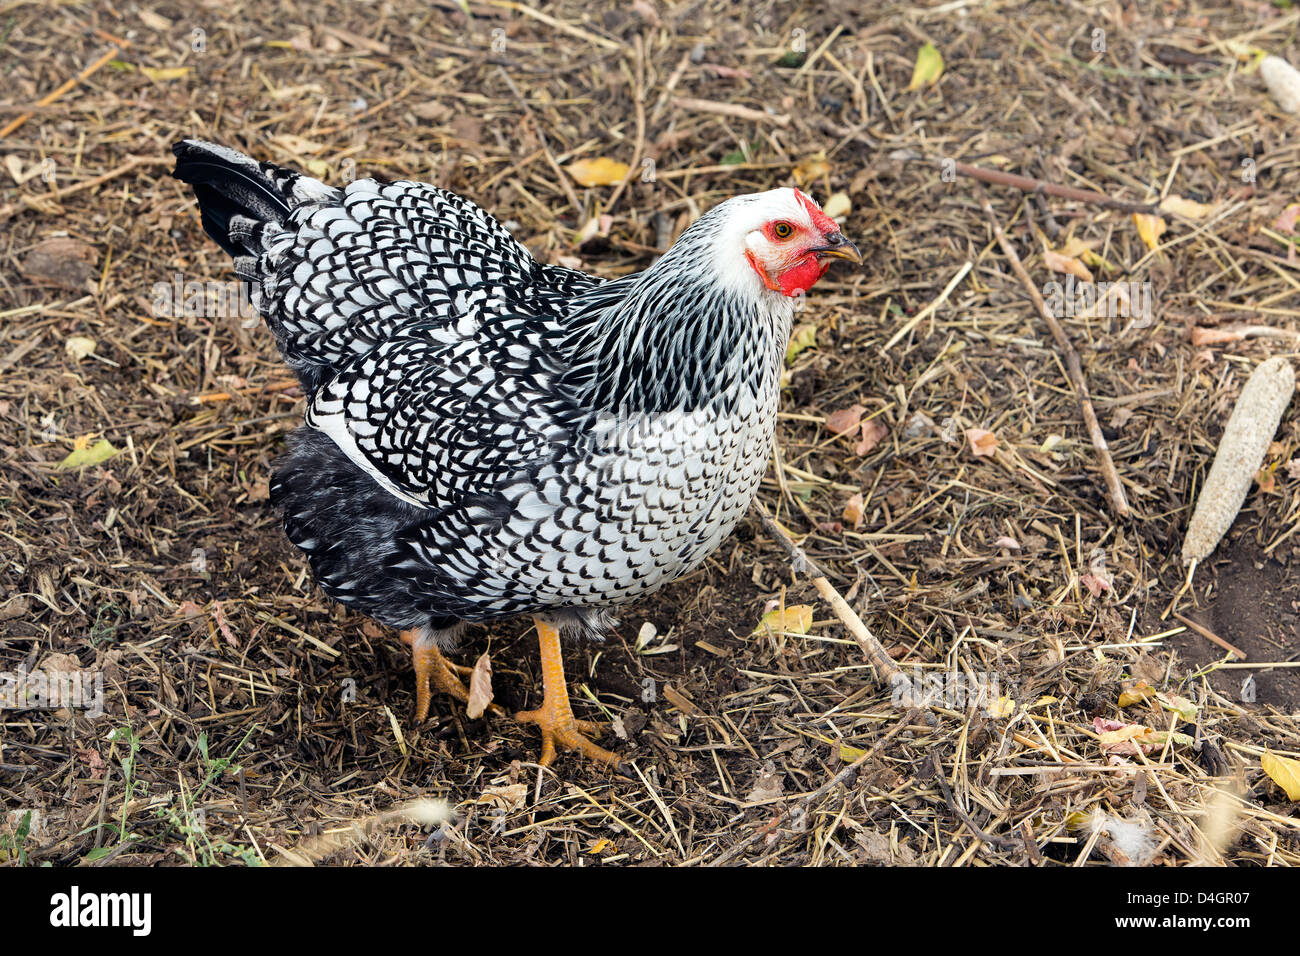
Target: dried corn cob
1283, 81
1245, 440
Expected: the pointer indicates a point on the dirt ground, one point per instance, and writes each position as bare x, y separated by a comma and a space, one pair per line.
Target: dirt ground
246, 719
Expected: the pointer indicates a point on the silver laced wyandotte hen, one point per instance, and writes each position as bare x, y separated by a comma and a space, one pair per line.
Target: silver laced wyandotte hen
487, 436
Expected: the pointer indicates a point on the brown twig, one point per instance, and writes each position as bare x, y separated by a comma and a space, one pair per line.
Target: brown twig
34, 202
802, 564
1074, 367
998, 178
1004, 843
1210, 636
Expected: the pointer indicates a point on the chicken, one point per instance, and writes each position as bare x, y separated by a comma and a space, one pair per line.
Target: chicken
487, 436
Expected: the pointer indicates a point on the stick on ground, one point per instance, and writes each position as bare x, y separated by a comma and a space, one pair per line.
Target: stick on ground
1118, 501
998, 178
802, 564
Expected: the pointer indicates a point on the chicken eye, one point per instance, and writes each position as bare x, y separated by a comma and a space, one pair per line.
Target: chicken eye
783, 230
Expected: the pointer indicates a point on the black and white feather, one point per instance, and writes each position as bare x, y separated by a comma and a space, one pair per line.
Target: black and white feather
486, 435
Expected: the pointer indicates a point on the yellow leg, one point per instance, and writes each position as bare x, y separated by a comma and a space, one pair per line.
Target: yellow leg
555, 717
434, 670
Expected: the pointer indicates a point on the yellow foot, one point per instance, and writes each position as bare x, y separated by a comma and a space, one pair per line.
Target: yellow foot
433, 670
563, 732
560, 729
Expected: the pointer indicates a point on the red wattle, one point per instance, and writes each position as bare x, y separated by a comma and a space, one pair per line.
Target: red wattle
801, 278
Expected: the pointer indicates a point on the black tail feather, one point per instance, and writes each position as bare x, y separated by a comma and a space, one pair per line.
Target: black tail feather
228, 184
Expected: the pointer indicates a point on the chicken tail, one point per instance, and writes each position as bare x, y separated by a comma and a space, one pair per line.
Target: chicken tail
242, 202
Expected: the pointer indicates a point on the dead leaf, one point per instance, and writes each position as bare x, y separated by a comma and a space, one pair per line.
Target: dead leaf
928, 68
1286, 222
874, 431
62, 261
1119, 738
480, 687
1266, 479
812, 168
1177, 704
509, 797
838, 206
1004, 706
853, 511
845, 421
1283, 771
793, 619
78, 346
983, 443
1068, 265
602, 171
1136, 694
92, 758
727, 72
189, 609
220, 617
1187, 208
1150, 228
1095, 582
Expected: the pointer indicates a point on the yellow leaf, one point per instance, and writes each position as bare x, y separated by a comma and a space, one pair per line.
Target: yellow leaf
160, 74
1136, 694
1178, 206
852, 513
1150, 228
317, 167
1066, 264
928, 69
1004, 706
1074, 246
805, 336
1121, 740
814, 167
794, 619
601, 845
838, 206
849, 754
1284, 771
597, 172
83, 454
1181, 706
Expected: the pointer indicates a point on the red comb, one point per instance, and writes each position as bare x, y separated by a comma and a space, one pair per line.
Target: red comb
822, 221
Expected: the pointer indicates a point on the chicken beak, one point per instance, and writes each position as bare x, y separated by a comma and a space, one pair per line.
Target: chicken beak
838, 247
